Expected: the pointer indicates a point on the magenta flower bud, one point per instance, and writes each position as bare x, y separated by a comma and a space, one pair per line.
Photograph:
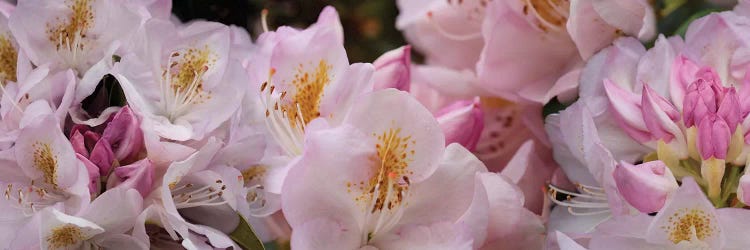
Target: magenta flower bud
93, 172
102, 156
125, 135
730, 109
743, 189
713, 137
90, 138
79, 143
462, 122
393, 69
701, 99
645, 186
139, 176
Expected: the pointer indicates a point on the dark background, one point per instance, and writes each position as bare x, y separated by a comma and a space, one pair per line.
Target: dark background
369, 26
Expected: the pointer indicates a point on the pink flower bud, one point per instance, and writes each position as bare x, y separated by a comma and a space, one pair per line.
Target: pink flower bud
393, 69
645, 186
743, 189
462, 122
713, 137
139, 175
730, 109
701, 99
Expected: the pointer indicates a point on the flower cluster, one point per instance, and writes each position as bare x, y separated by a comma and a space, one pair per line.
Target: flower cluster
122, 127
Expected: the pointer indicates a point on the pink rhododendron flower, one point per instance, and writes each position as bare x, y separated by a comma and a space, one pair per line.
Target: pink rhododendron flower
529, 45
197, 198
688, 220
309, 76
72, 34
93, 227
505, 126
40, 171
192, 78
392, 202
673, 110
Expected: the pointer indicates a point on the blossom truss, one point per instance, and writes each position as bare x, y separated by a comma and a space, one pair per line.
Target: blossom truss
657, 131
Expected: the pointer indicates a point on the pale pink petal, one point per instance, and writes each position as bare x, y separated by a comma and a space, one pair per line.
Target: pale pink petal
655, 66
448, 34
507, 65
628, 111
634, 17
617, 63
527, 170
126, 204
566, 243
437, 87
510, 225
712, 40
37, 142
393, 111
587, 29
348, 88
455, 170
316, 186
438, 236
325, 233
734, 220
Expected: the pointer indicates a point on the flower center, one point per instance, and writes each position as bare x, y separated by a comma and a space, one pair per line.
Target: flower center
256, 194
182, 80
64, 236
547, 14
305, 105
503, 130
384, 193
45, 161
8, 59
69, 35
253, 173
286, 117
687, 223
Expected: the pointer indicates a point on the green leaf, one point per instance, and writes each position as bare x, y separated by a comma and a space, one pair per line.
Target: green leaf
244, 236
